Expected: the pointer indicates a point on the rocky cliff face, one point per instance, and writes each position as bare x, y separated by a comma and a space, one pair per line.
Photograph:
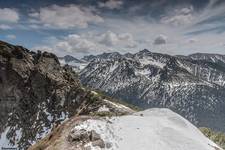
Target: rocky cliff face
37, 94
192, 86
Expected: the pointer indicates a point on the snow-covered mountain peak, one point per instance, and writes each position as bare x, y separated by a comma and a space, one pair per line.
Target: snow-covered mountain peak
112, 55
144, 51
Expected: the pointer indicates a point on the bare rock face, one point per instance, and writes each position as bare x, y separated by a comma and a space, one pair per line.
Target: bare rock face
94, 136
82, 137
98, 143
37, 94
79, 135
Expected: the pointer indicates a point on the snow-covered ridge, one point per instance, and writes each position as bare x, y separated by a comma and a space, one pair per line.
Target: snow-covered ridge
152, 129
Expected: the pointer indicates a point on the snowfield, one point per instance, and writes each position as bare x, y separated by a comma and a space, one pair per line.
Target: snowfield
4, 141
152, 129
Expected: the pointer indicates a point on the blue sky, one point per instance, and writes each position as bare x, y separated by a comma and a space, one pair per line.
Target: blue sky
82, 27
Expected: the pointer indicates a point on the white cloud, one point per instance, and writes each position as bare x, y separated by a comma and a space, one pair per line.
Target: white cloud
5, 27
72, 43
125, 33
161, 39
111, 39
111, 4
11, 36
9, 15
65, 17
183, 16
173, 40
43, 48
90, 43
128, 40
76, 43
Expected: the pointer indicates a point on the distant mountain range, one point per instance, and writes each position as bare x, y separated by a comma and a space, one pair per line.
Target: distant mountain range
68, 59
193, 86
77, 64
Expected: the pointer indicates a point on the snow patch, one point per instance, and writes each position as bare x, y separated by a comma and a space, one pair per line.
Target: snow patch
103, 109
4, 141
143, 72
146, 61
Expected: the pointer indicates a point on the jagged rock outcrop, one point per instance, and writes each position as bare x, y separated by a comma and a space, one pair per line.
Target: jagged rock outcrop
37, 94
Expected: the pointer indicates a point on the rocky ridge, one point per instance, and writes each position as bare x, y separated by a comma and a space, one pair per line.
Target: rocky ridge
37, 94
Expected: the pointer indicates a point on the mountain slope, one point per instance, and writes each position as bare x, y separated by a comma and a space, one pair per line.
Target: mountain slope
75, 63
37, 94
191, 87
209, 57
69, 58
155, 129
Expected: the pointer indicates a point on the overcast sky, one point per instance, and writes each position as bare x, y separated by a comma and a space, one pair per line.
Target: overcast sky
82, 27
